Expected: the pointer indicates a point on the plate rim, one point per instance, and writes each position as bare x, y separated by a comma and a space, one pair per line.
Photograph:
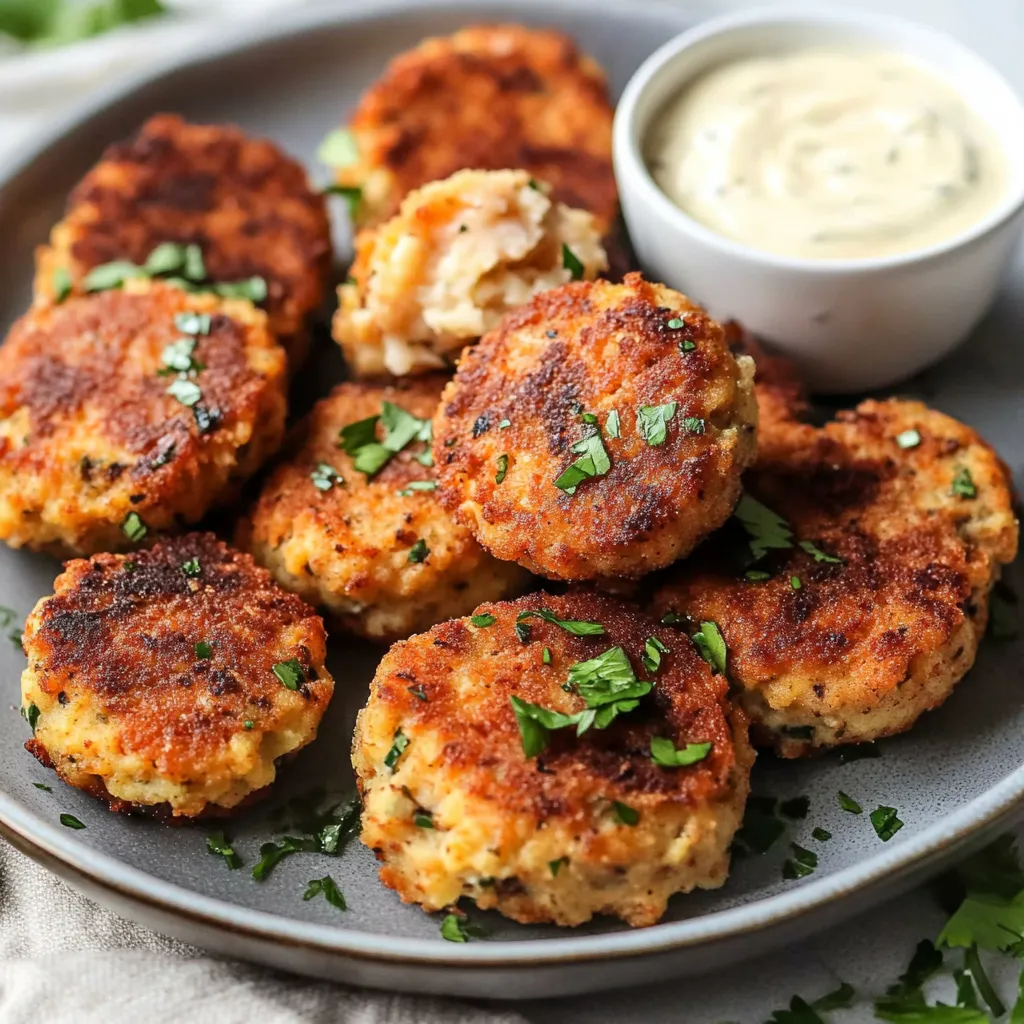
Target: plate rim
44, 841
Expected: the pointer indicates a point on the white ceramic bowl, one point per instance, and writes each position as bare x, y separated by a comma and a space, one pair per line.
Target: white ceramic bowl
852, 324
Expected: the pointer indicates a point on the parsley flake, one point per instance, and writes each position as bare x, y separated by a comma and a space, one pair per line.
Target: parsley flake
818, 555
193, 323
61, 283
413, 486
43, 786
419, 551
133, 527
963, 484
885, 822
419, 693
111, 275
572, 263
204, 650
400, 429
693, 425
502, 469
653, 650
289, 673
327, 887
686, 345
324, 476
576, 627
821, 834
423, 819
338, 149
185, 391
546, 656
613, 424
624, 814
794, 582
70, 821
711, 646
31, 715
671, 618
908, 439
191, 568
766, 530
457, 929
665, 754
676, 323
483, 621
218, 844
554, 866
399, 742
652, 422
352, 194
849, 804
593, 461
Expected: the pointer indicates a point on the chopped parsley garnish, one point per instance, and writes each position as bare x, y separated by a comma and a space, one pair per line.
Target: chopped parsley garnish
693, 425
572, 263
483, 621
767, 530
218, 844
167, 258
849, 804
399, 743
193, 323
185, 391
593, 461
796, 808
676, 323
423, 819
502, 469
652, 422
671, 619
761, 827
325, 476
191, 568
504, 424
328, 888
133, 527
204, 650
457, 929
248, 725
686, 345
818, 555
338, 149
253, 289
419, 551
757, 575
821, 834
801, 864
70, 821
613, 424
352, 194
885, 822
908, 439
111, 275
418, 692
401, 429
289, 673
711, 646
271, 854
536, 722
794, 582
963, 484
31, 715
61, 285
43, 786
574, 626
624, 814
414, 486
554, 866
653, 650
665, 754
546, 656
523, 631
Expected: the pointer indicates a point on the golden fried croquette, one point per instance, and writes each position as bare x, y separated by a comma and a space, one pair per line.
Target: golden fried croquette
599, 430
488, 97
899, 519
172, 680
379, 553
460, 254
248, 207
132, 412
453, 805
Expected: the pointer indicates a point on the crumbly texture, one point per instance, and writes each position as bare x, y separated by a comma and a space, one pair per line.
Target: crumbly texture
248, 206
129, 708
538, 838
488, 97
857, 650
89, 435
348, 548
461, 253
593, 349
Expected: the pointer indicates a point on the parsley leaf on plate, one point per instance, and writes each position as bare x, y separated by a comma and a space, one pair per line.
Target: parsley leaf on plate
665, 754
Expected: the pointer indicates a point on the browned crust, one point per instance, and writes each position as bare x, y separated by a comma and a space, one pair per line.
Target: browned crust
918, 561
247, 205
481, 739
120, 632
595, 347
491, 97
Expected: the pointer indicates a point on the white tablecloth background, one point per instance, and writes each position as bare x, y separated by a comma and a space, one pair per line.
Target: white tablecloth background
63, 959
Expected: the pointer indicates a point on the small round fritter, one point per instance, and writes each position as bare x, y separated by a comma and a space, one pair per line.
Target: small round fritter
868, 602
460, 254
132, 411
487, 97
172, 680
248, 207
545, 825
599, 430
379, 552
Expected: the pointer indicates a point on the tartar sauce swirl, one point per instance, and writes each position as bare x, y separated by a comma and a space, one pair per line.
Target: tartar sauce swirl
828, 153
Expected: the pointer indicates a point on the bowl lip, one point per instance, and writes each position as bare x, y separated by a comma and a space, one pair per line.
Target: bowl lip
633, 173
49, 843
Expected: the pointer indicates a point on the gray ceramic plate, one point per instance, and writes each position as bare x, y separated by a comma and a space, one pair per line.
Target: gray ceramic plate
955, 779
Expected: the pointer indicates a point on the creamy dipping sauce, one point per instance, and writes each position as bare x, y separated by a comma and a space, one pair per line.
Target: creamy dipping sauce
828, 153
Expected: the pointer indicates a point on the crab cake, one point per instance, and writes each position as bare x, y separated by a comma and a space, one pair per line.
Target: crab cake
880, 536
132, 412
460, 254
174, 679
475, 782
487, 97
247, 206
377, 551
600, 430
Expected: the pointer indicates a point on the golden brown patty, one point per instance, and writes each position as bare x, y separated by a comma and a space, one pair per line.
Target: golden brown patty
379, 553
173, 679
453, 806
520, 411
248, 206
92, 444
918, 509
488, 97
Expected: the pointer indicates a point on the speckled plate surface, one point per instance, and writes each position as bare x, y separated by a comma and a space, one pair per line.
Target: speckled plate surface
955, 779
